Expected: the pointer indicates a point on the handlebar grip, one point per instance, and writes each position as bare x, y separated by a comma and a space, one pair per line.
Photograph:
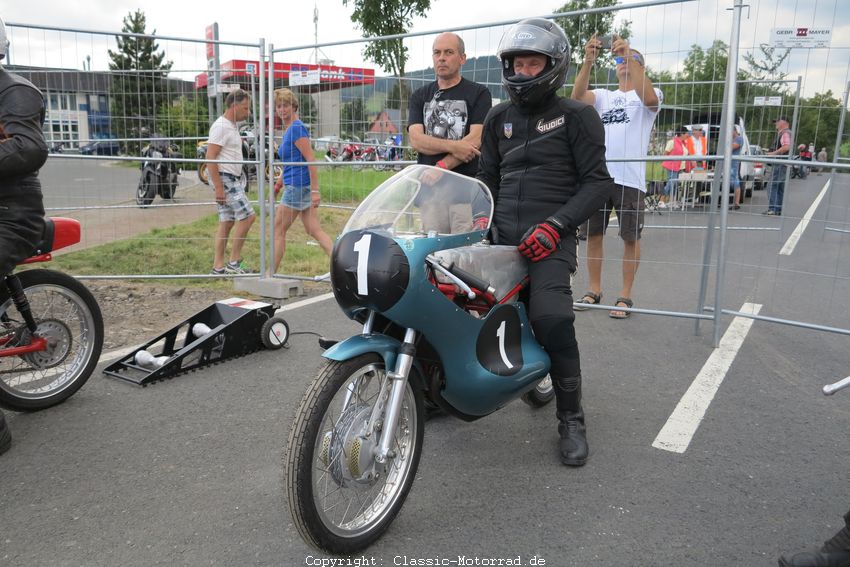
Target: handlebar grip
830, 389
472, 280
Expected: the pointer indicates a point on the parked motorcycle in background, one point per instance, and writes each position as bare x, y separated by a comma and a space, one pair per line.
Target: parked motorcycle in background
249, 153
389, 151
801, 171
157, 177
350, 152
366, 154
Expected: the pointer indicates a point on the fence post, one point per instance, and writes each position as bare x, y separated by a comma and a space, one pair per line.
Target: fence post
258, 145
727, 123
838, 136
271, 200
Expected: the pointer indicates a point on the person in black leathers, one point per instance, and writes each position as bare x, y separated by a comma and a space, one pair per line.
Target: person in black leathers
22, 152
543, 158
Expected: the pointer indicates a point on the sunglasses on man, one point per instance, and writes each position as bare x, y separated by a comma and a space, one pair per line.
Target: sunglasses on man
636, 56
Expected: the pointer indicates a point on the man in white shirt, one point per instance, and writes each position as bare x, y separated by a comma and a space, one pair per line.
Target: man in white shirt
628, 114
234, 209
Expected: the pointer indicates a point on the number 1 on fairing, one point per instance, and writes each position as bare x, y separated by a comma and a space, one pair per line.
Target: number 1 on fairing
500, 332
361, 247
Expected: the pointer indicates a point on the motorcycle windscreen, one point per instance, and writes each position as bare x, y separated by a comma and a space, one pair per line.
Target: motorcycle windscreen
422, 200
368, 269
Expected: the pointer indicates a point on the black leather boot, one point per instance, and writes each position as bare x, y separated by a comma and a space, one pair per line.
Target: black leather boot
834, 553
571, 428
5, 435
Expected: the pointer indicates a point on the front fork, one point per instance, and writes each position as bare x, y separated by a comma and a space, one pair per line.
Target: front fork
398, 381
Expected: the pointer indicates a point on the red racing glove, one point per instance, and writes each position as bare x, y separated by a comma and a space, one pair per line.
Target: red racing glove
539, 241
480, 223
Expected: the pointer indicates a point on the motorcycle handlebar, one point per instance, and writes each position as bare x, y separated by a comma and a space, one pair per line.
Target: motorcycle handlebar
472, 280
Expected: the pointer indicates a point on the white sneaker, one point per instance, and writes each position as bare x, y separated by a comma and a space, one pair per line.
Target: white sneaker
662, 205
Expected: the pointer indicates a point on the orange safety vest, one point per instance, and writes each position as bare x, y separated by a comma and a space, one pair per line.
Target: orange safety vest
691, 151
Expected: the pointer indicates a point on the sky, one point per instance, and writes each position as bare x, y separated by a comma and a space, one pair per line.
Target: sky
664, 33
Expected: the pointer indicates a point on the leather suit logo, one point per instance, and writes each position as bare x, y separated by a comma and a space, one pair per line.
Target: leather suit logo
544, 127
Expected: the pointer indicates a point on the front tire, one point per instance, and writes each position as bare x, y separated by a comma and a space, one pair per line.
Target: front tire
204, 174
340, 498
146, 191
69, 317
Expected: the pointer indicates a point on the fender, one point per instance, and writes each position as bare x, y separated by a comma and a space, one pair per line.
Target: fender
386, 346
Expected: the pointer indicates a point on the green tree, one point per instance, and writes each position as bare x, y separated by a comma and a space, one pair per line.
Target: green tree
387, 17
139, 72
399, 95
353, 118
818, 120
580, 29
767, 66
185, 117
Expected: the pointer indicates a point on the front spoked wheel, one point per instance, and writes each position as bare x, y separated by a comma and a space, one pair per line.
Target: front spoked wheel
340, 498
69, 318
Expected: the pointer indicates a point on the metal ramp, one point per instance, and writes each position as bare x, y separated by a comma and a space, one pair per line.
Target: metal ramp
226, 329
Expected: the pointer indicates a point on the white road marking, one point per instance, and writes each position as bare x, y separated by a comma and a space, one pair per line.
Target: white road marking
680, 428
122, 352
792, 241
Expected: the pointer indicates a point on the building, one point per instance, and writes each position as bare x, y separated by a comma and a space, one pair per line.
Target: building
78, 102
387, 123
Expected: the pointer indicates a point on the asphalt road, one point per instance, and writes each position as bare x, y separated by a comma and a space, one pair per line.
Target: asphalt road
188, 472
101, 194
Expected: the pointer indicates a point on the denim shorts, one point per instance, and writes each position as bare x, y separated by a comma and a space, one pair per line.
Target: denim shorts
237, 207
297, 198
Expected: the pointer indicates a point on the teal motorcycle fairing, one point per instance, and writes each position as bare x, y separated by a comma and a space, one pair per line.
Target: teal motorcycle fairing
487, 361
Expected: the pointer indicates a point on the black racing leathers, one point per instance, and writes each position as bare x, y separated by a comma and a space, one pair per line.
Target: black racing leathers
22, 152
541, 163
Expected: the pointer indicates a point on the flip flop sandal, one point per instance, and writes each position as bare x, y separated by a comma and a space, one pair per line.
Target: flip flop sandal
589, 298
618, 314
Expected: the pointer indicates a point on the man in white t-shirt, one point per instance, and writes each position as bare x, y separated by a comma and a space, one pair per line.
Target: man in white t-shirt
628, 114
234, 209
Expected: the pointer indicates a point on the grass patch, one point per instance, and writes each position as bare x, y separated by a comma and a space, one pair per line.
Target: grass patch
188, 249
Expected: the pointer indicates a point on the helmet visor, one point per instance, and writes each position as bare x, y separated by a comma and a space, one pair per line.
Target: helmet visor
526, 37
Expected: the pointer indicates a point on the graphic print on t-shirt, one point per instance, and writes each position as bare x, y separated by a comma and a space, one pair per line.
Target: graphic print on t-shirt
617, 114
445, 118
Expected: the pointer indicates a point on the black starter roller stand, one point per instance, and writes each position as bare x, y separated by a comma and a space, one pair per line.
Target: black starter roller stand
226, 329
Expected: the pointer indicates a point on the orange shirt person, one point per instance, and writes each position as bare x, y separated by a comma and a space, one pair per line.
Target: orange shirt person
696, 145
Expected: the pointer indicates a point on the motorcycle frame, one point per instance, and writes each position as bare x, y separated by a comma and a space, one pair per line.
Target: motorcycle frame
469, 391
59, 232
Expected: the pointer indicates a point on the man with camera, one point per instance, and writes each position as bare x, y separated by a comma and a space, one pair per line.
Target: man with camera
628, 114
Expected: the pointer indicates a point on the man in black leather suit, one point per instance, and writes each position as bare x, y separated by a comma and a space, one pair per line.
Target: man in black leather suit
543, 158
22, 152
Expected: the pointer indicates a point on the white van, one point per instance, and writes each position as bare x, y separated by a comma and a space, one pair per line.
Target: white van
747, 171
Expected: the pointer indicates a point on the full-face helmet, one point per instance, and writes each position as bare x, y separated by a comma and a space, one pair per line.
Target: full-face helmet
534, 36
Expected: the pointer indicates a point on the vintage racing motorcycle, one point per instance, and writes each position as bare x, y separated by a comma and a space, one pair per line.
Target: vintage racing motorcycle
442, 325
51, 329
